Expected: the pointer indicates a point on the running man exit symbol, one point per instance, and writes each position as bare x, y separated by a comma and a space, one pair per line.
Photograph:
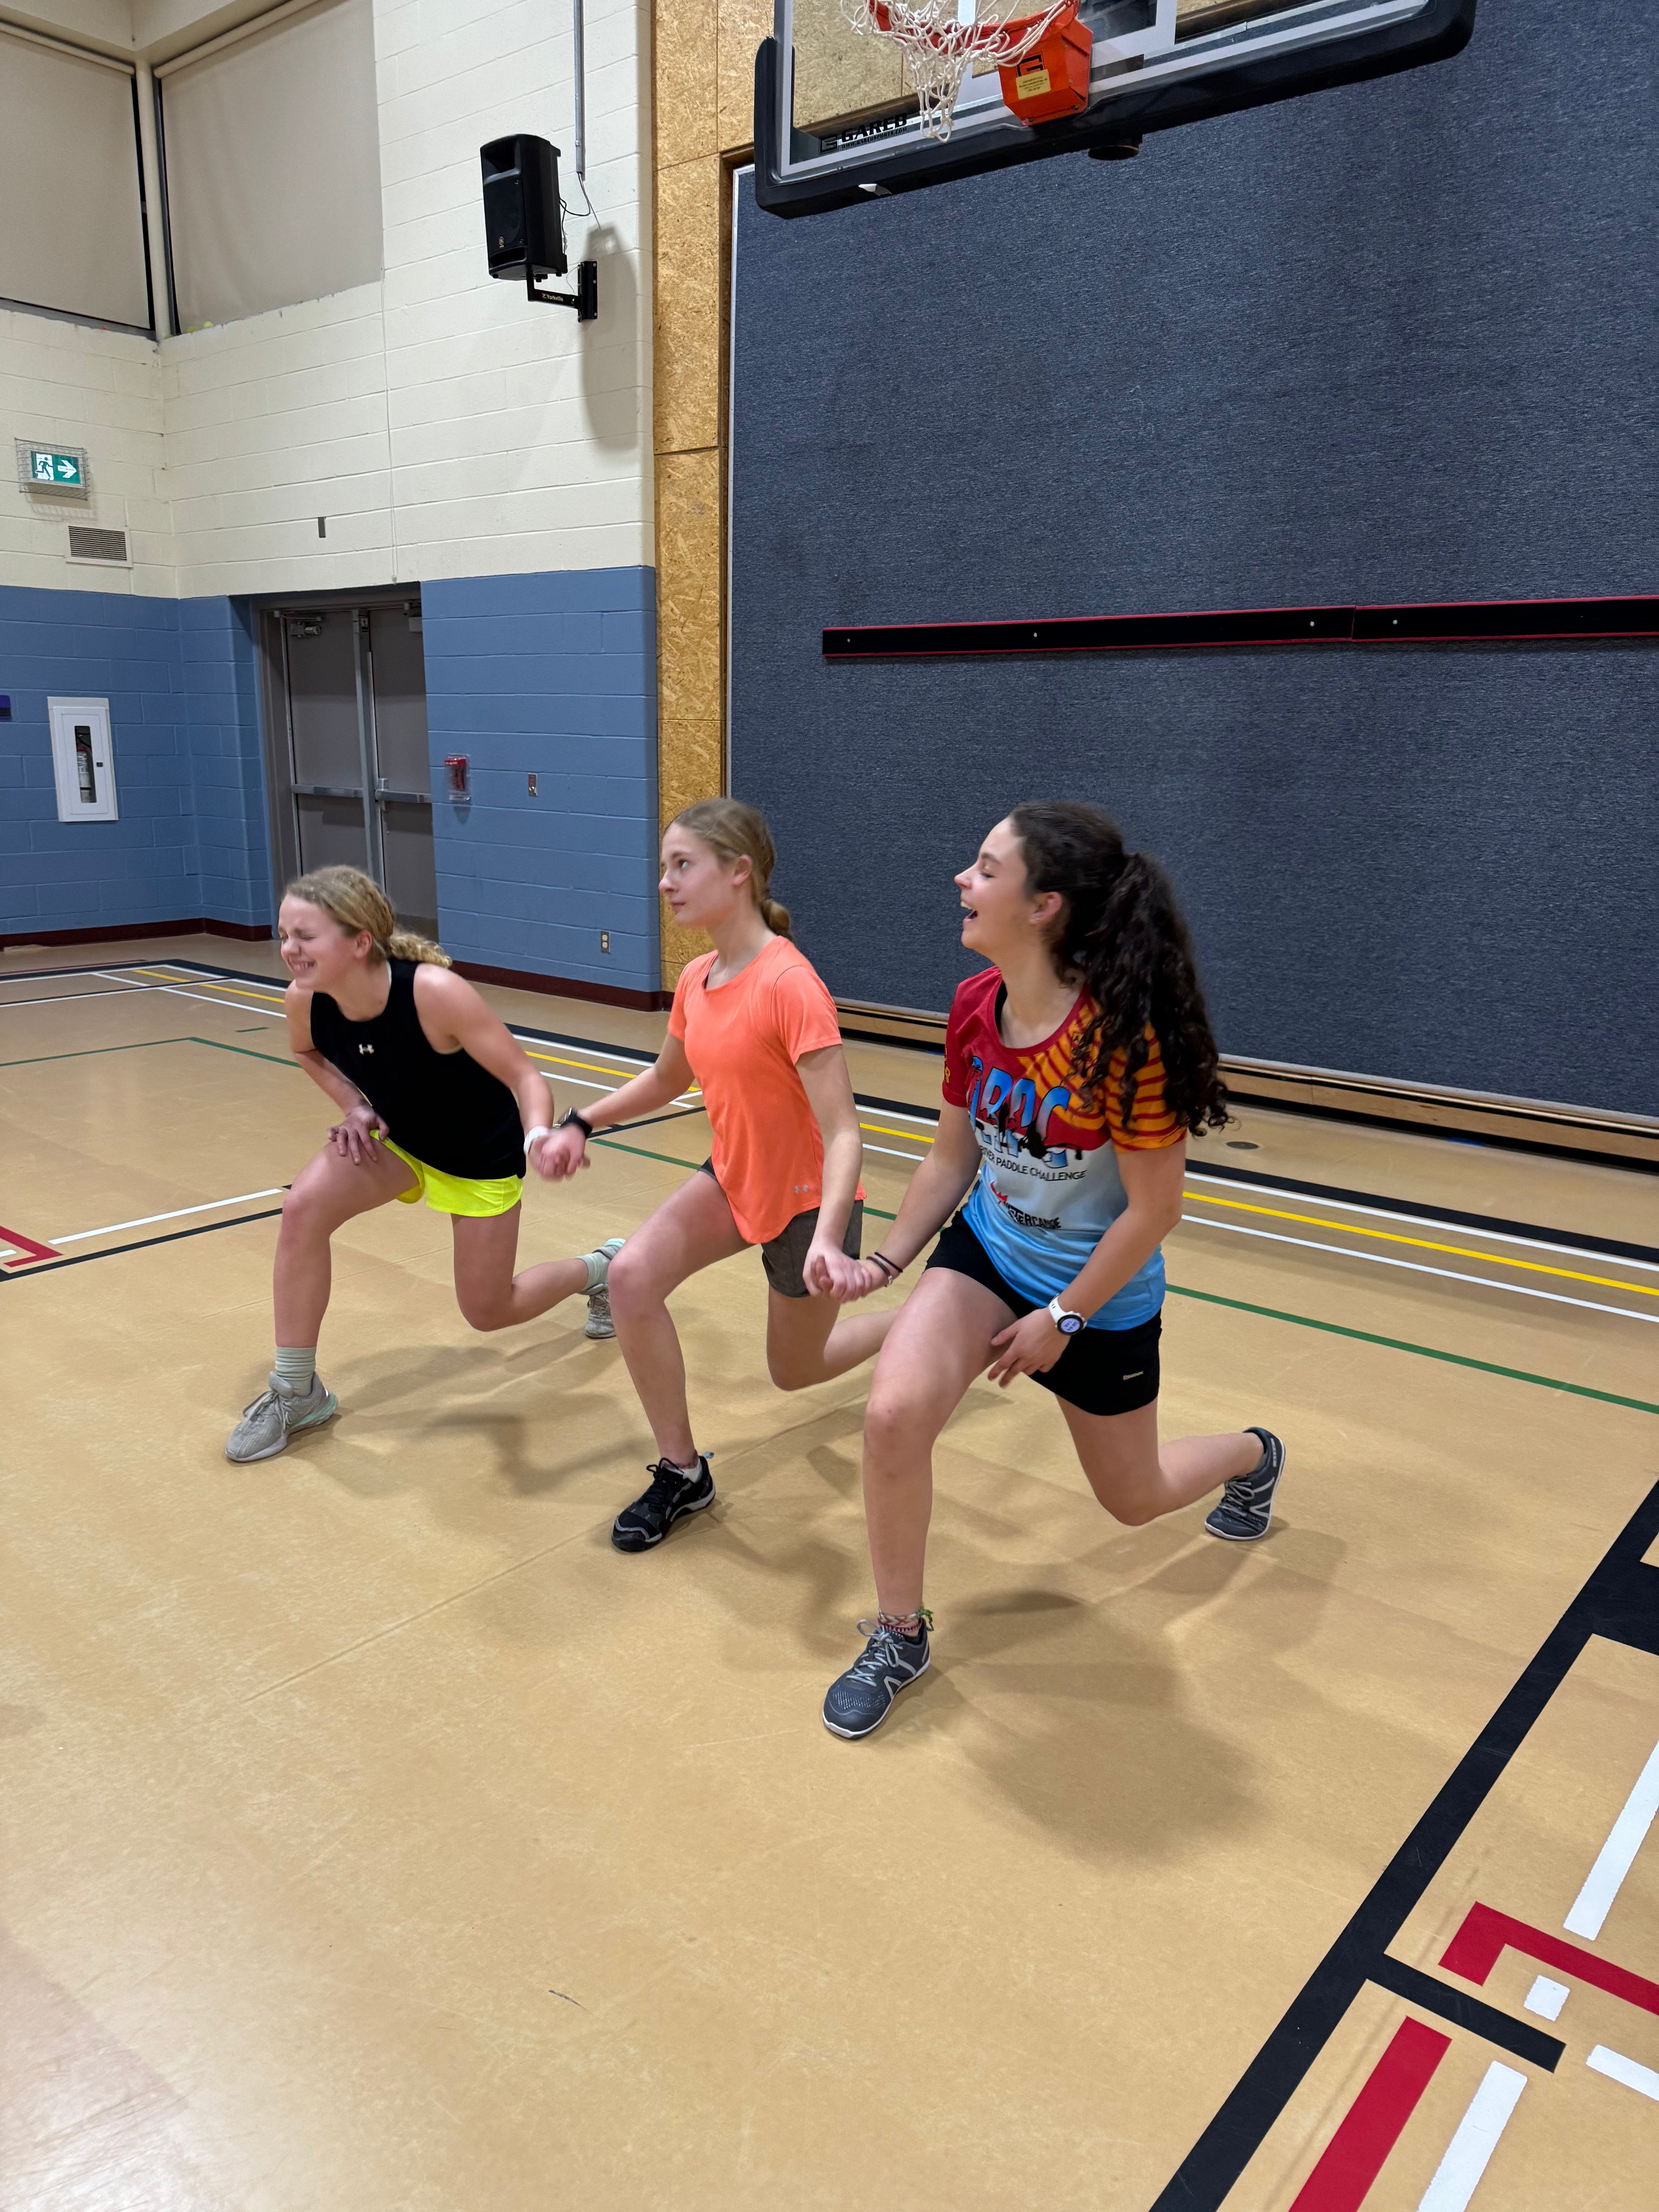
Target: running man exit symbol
48, 468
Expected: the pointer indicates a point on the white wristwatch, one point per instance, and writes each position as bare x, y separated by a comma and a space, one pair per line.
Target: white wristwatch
1064, 1319
533, 1136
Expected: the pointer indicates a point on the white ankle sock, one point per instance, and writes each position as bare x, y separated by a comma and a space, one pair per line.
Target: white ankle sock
295, 1365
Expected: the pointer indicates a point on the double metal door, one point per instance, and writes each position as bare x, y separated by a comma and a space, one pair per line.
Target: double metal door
359, 773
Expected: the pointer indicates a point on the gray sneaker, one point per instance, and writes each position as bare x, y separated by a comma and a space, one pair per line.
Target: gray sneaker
1247, 1502
599, 1323
267, 1424
858, 1701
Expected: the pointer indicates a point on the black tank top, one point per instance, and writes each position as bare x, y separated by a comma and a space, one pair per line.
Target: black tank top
441, 1107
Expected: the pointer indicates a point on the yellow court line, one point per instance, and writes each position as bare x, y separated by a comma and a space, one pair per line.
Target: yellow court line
1425, 1244
169, 978
594, 1066
910, 1136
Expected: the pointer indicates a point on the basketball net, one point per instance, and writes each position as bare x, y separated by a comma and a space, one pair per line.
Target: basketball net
941, 39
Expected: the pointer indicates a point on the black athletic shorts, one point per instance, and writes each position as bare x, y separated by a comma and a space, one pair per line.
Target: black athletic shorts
784, 1257
1101, 1370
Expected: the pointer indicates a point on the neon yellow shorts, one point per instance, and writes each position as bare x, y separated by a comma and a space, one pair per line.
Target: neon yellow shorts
479, 1196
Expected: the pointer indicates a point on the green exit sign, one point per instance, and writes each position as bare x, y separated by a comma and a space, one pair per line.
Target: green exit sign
51, 468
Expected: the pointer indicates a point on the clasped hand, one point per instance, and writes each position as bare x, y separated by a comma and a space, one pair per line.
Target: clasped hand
560, 1154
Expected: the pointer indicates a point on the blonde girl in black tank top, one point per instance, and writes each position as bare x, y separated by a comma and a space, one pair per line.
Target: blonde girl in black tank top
436, 1101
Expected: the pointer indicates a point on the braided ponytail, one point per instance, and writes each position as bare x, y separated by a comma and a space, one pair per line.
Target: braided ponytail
1122, 931
734, 832
356, 902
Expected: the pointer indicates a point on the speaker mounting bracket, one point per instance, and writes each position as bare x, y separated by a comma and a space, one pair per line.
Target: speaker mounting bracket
585, 299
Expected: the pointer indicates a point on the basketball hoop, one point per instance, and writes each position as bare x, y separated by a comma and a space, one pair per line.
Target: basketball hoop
940, 46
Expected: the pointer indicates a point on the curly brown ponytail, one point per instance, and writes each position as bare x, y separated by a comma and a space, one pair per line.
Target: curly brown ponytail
1121, 930
356, 902
738, 832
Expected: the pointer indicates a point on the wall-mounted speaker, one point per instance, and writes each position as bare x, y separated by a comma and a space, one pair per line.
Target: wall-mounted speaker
524, 225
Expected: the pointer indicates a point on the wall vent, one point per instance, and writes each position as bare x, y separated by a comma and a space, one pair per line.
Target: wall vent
86, 545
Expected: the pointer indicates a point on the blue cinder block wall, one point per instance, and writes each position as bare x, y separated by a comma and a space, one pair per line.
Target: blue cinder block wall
554, 675
191, 840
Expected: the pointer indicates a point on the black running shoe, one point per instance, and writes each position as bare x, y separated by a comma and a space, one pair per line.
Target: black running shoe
669, 1499
1247, 1502
861, 1698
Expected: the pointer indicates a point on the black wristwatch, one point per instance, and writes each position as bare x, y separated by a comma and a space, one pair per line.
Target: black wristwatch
570, 1119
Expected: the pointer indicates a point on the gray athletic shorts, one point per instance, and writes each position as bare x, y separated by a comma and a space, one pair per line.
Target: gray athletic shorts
784, 1257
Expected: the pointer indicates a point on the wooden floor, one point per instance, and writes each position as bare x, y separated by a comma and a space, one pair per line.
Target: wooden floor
380, 1840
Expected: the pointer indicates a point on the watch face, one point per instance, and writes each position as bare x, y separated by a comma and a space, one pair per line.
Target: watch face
1071, 1324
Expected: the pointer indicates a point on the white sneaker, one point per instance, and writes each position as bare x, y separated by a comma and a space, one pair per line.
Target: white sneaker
267, 1424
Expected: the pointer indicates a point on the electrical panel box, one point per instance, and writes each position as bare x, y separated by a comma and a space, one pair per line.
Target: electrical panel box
82, 759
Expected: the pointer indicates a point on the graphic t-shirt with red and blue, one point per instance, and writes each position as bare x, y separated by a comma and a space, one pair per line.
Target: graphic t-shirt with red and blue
1048, 1186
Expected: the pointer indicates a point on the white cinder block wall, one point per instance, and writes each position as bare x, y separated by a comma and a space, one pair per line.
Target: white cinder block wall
64, 384
443, 424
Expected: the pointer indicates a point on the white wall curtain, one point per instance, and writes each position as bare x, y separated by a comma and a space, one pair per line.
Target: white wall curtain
71, 233
273, 166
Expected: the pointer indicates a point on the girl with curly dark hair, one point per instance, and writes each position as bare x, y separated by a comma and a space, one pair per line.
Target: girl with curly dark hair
1076, 1066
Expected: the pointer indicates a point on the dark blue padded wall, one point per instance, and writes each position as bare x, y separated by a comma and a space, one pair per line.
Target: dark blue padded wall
1394, 341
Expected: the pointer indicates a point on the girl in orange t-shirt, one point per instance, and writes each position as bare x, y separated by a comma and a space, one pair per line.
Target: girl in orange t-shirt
753, 1025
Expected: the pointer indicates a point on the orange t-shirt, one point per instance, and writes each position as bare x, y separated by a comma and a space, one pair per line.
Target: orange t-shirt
743, 1039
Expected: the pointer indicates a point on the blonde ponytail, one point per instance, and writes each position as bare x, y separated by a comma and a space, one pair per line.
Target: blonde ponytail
735, 831
356, 902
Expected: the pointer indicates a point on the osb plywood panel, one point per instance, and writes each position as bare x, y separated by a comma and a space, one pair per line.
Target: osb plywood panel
684, 76
688, 304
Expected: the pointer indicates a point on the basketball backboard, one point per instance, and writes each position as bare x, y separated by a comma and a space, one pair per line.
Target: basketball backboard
836, 120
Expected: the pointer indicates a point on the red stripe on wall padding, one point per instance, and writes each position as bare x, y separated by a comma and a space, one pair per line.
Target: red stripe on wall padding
1475, 622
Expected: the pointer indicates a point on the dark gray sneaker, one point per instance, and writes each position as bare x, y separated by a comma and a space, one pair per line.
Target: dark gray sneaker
1247, 1502
672, 1496
276, 1413
860, 1699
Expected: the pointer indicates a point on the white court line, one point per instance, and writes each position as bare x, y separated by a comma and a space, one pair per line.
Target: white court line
230, 1006
57, 998
76, 1236
1617, 2068
1417, 1267
1416, 1220
888, 1154
1546, 1997
1458, 2173
1617, 1856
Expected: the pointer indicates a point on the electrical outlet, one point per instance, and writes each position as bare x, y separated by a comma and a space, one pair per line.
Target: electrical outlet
532, 787
604, 940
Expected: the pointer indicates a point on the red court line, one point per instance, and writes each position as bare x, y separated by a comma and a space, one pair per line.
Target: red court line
1473, 1950
1370, 2127
27, 1245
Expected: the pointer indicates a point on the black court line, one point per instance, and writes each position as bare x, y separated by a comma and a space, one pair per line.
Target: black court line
1429, 1994
141, 1244
1620, 1601
1446, 1217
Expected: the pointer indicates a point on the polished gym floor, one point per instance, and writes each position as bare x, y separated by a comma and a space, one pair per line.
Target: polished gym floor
378, 1839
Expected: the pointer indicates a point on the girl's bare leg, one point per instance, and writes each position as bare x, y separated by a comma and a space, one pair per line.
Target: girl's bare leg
813, 1340
940, 1338
1136, 1480
689, 1231
489, 1293
329, 1190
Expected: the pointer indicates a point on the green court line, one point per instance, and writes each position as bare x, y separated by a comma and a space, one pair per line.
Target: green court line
1205, 1297
1422, 1351
276, 1060
93, 1051
1305, 1321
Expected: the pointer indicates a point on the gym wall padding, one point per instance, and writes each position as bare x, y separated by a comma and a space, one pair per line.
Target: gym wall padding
1393, 343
